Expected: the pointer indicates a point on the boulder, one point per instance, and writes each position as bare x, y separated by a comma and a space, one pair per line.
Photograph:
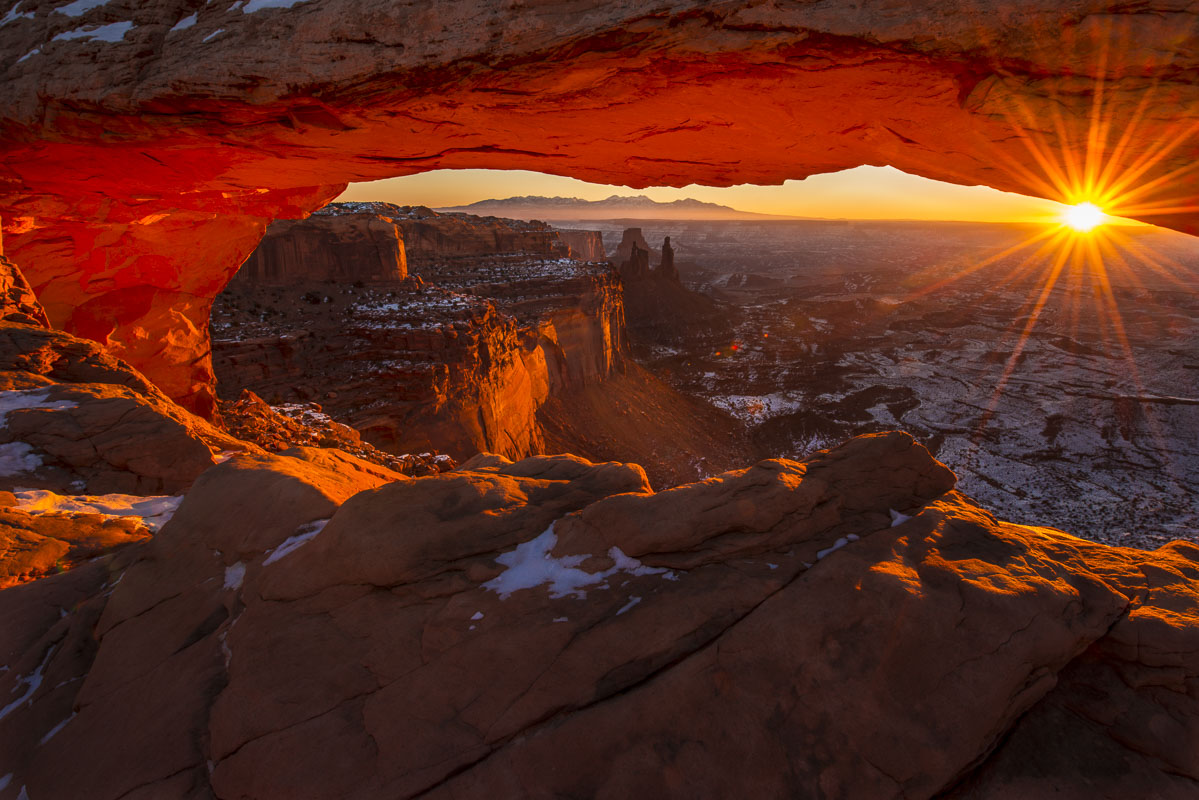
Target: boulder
36, 545
96, 438
17, 301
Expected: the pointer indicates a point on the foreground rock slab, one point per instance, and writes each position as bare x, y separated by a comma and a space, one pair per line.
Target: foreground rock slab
309, 625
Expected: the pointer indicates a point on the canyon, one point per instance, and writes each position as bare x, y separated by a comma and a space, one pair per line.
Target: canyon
364, 519
490, 340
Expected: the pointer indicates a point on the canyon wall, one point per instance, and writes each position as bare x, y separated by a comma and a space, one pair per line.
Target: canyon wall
431, 234
146, 146
584, 245
419, 367
346, 248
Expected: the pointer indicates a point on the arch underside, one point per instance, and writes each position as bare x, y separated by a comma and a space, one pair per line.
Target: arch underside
139, 174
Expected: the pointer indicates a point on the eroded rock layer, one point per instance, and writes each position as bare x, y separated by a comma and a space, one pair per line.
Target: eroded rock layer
309, 625
346, 247
461, 364
147, 145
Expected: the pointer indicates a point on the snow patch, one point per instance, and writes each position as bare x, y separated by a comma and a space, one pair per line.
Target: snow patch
531, 564
18, 457
234, 575
154, 511
113, 32
258, 5
292, 543
32, 681
477, 615
633, 600
50, 734
837, 545
561, 619
21, 399
757, 408
79, 7
212, 35
897, 518
184, 23
30, 54
13, 16
5, 781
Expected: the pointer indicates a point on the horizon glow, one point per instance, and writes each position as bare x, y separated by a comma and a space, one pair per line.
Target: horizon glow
859, 193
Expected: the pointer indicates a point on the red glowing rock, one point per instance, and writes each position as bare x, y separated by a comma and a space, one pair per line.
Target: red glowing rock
146, 146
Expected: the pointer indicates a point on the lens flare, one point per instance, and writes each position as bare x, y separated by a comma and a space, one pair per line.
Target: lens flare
1083, 217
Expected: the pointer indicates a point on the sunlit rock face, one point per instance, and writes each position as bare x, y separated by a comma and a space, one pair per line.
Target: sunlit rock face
345, 248
147, 145
309, 625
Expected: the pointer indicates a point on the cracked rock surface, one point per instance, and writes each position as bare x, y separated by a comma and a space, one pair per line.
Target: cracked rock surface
312, 625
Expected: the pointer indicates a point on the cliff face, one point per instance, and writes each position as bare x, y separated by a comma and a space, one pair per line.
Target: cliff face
421, 368
584, 245
140, 169
429, 234
346, 248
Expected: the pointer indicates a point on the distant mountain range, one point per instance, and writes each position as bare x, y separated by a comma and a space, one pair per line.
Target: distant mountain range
614, 207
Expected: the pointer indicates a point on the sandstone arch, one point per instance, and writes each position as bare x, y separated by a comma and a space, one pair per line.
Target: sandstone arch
147, 145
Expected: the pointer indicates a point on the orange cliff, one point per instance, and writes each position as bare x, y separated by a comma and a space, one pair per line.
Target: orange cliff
460, 357
135, 182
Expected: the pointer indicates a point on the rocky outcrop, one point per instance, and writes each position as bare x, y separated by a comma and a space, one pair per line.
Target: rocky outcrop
458, 367
631, 242
584, 245
34, 545
135, 183
666, 269
251, 419
344, 247
430, 235
307, 626
17, 301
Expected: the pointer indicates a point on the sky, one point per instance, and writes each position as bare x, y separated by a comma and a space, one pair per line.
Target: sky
859, 193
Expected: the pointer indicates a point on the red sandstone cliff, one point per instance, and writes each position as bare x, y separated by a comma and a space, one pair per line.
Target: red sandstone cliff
430, 234
347, 247
416, 368
584, 245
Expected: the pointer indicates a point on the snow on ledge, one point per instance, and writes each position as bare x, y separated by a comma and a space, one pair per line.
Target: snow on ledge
154, 511
292, 543
113, 32
13, 16
79, 7
258, 5
531, 564
837, 545
21, 399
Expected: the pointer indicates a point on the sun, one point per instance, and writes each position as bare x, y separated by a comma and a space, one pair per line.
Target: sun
1083, 217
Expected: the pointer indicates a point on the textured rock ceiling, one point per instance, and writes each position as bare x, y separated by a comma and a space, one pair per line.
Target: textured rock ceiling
138, 173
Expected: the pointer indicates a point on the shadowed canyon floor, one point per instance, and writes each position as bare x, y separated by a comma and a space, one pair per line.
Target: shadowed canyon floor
826, 330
